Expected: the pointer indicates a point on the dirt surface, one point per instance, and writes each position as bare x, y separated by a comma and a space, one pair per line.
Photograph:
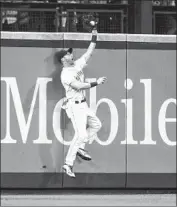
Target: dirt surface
89, 199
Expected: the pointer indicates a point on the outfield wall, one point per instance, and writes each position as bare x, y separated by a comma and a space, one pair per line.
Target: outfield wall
136, 146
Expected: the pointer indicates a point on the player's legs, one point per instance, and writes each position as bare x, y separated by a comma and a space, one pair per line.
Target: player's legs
94, 125
79, 120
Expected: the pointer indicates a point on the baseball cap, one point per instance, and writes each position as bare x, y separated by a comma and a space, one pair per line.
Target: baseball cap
60, 54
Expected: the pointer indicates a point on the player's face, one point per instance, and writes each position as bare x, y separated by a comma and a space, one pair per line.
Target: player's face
69, 59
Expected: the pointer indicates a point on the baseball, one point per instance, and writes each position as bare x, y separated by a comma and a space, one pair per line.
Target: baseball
92, 23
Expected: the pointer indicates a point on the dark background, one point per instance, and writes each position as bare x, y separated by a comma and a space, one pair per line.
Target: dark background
120, 16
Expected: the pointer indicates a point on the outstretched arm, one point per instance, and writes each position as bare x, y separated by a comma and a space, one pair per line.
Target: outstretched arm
91, 47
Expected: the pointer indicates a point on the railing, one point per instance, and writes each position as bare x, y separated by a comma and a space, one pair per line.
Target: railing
164, 23
164, 19
108, 21
27, 19
36, 17
118, 2
63, 17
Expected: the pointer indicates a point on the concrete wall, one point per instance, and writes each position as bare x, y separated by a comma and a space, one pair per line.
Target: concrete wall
136, 146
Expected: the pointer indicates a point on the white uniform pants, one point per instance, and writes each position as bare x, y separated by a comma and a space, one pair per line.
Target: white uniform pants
81, 116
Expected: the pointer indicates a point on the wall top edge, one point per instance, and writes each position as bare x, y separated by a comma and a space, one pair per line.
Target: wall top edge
151, 38
87, 37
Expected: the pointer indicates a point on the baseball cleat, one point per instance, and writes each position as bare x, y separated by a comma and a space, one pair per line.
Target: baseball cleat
83, 154
68, 170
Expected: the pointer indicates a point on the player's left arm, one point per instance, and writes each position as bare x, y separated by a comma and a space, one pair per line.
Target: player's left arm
91, 47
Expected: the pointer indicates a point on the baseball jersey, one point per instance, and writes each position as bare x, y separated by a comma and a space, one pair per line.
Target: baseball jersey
71, 74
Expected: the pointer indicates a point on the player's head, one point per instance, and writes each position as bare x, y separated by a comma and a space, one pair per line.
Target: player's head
65, 57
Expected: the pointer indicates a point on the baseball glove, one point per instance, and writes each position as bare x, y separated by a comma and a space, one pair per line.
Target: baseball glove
86, 19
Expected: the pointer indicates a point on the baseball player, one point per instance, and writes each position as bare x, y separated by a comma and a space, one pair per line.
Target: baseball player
72, 78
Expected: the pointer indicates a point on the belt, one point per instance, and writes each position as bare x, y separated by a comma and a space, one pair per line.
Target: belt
77, 102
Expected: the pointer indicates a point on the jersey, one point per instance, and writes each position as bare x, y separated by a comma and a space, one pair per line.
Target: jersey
71, 74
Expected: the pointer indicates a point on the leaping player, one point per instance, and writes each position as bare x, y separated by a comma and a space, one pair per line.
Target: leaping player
72, 78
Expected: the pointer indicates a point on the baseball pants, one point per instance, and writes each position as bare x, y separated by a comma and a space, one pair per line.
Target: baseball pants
81, 116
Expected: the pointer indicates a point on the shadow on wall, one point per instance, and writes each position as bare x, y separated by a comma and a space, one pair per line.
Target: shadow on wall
51, 155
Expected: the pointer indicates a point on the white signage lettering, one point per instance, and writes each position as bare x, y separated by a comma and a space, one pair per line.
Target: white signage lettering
41, 85
41, 92
163, 120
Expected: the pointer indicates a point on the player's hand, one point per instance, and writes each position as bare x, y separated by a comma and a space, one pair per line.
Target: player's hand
94, 31
101, 80
94, 27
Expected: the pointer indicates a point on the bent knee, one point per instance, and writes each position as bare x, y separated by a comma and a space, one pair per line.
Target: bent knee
99, 125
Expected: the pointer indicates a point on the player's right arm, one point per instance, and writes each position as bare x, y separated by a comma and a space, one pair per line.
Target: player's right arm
69, 79
83, 86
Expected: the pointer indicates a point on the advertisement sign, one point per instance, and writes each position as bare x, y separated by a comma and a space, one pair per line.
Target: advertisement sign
137, 108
